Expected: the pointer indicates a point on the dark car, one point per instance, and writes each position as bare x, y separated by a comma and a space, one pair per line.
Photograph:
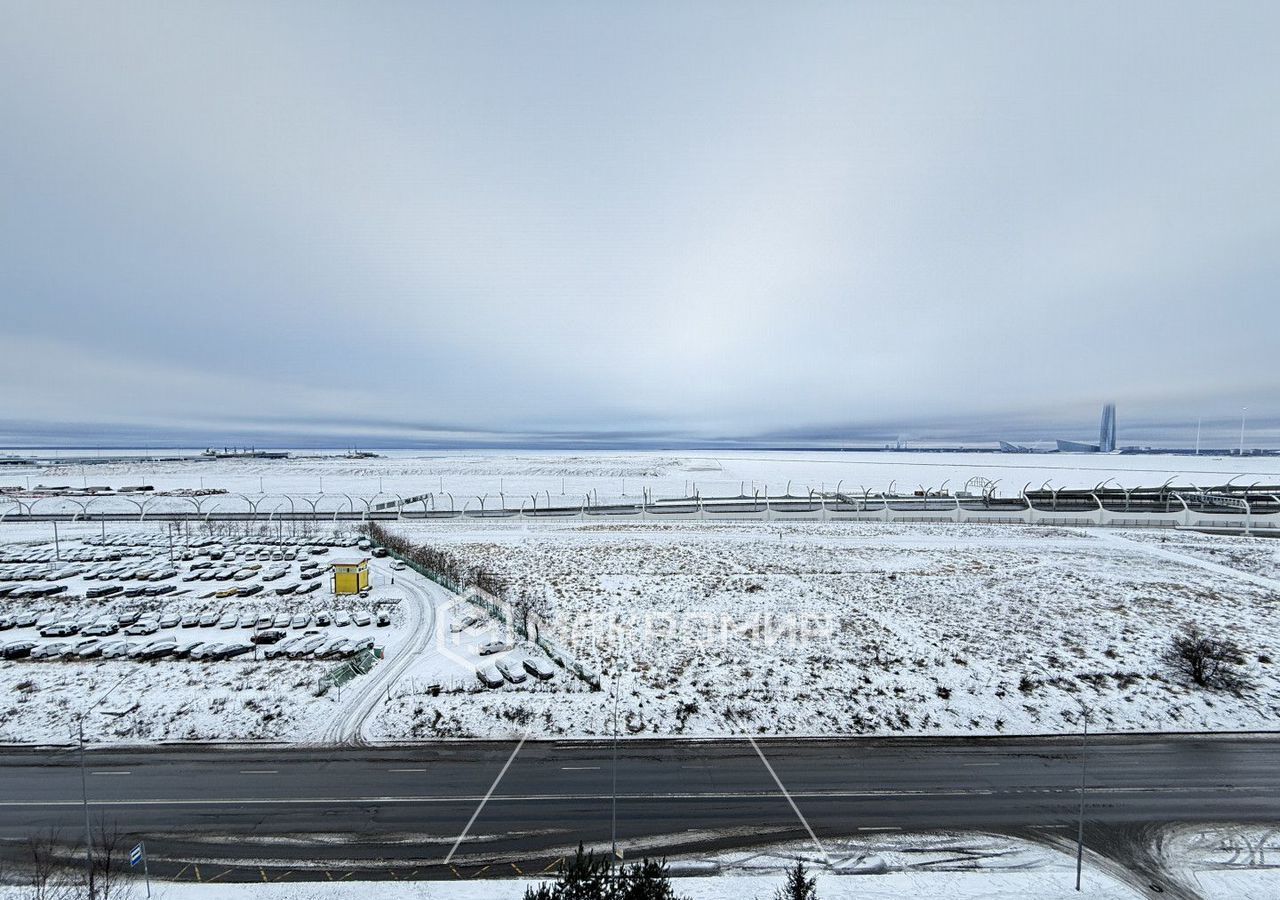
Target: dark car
267, 637
18, 649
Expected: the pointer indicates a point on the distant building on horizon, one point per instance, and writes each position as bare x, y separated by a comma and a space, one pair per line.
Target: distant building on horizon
1106, 436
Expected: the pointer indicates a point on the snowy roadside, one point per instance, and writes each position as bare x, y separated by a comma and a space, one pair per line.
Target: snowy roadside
1213, 863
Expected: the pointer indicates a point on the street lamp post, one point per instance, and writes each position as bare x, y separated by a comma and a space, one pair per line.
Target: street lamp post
1084, 755
84, 781
1243, 410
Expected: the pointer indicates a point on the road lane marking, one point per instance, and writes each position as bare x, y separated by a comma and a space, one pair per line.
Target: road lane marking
578, 768
109, 773
880, 828
492, 788
259, 771
665, 795
971, 765
415, 771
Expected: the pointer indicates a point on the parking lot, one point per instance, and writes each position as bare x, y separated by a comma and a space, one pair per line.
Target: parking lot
149, 595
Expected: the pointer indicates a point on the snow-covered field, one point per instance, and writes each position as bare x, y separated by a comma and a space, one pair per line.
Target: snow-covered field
832, 629
518, 475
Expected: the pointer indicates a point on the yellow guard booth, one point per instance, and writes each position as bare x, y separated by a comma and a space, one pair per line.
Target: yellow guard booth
350, 576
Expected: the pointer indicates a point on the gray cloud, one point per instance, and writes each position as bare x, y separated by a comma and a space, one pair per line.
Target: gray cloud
684, 221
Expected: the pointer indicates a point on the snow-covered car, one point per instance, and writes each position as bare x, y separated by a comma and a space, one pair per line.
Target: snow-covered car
301, 620
114, 649
490, 677
87, 649
398, 566
59, 629
342, 618
143, 626
462, 624
50, 651
539, 668
170, 619
282, 648
155, 649
492, 647
361, 618
308, 588
512, 671
17, 649
190, 620
186, 647
383, 618
207, 650
306, 646
101, 627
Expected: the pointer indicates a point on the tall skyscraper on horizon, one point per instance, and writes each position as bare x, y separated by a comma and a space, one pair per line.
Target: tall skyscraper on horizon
1107, 433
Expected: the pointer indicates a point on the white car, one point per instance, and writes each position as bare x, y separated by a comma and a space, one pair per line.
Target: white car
101, 627
114, 649
512, 671
58, 629
361, 618
490, 677
462, 624
143, 626
493, 647
538, 668
50, 651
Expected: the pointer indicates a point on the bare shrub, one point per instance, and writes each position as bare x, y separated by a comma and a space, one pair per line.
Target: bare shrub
1208, 660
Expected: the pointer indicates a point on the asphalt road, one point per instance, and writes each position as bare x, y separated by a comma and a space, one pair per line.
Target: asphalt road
238, 813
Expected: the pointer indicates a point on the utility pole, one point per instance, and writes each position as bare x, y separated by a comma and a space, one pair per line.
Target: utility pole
1084, 754
1199, 422
1243, 410
84, 799
613, 815
57, 549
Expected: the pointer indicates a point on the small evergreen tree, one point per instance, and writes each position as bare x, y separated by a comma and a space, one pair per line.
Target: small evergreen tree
587, 877
798, 887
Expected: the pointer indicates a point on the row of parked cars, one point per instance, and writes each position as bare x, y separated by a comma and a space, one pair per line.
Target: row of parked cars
314, 644
133, 622
112, 648
515, 670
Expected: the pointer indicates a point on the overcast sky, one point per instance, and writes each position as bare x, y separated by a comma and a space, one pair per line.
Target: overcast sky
649, 221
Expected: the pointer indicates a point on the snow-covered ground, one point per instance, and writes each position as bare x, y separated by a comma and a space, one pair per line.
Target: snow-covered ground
1213, 863
711, 629
831, 629
519, 475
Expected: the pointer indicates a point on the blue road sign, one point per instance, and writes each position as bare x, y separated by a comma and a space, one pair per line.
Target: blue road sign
135, 855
